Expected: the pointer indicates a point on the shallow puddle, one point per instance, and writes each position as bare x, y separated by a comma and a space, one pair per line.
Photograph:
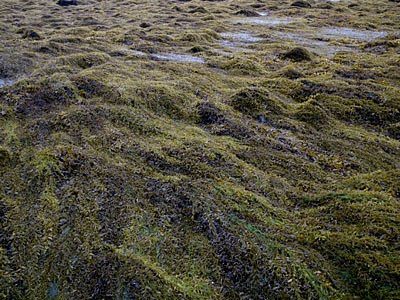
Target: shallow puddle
6, 82
136, 52
183, 58
317, 46
237, 42
223, 52
233, 46
351, 33
243, 37
264, 21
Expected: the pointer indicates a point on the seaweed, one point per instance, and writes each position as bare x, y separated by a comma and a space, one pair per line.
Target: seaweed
269, 170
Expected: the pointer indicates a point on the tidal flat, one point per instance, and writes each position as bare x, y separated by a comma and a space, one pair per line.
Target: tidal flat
192, 149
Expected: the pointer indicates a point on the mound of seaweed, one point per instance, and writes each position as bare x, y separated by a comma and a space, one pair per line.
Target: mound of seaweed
213, 176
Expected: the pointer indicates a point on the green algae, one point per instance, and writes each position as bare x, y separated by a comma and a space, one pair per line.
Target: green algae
247, 177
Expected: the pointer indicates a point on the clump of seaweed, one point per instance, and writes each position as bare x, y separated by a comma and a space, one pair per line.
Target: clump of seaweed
243, 66
311, 112
210, 114
354, 233
297, 54
85, 60
43, 95
89, 86
4, 156
394, 130
162, 99
291, 73
29, 34
254, 101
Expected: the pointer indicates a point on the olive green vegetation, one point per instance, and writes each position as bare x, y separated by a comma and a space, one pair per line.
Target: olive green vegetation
271, 173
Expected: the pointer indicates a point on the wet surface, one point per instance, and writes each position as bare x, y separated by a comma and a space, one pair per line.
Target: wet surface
315, 45
264, 20
243, 37
6, 82
183, 58
197, 168
351, 33
233, 46
53, 291
237, 42
316, 41
136, 52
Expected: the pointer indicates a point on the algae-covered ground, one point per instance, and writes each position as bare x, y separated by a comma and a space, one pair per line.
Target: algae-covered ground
237, 149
